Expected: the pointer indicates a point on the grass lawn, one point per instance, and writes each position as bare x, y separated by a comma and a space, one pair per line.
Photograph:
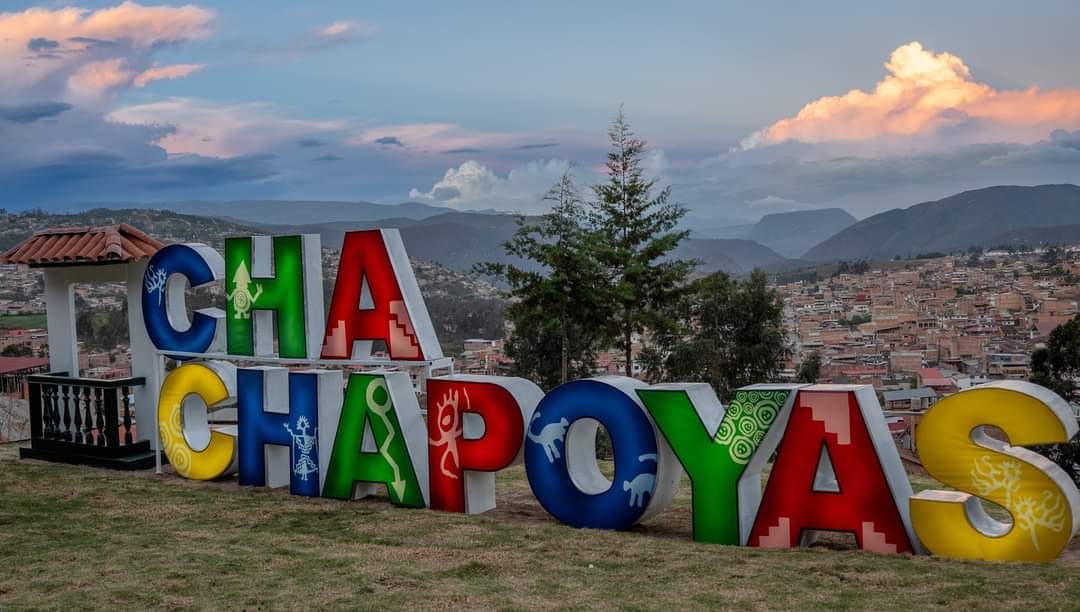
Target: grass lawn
76, 537
27, 321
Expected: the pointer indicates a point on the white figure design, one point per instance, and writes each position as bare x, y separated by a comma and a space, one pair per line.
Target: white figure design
382, 410
241, 297
449, 422
551, 433
155, 279
642, 484
303, 444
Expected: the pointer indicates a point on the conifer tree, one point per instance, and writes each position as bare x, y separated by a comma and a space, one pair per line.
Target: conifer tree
555, 306
636, 230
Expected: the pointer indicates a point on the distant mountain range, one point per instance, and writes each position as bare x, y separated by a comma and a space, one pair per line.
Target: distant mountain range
995, 216
793, 233
290, 212
459, 240
982, 217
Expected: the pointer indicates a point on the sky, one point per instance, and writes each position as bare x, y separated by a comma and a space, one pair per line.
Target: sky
748, 110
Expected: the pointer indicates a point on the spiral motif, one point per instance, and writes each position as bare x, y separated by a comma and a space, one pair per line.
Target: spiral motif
747, 421
741, 450
180, 458
747, 426
240, 301
176, 448
765, 414
726, 433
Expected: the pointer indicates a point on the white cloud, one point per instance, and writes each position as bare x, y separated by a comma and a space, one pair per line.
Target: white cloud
435, 137
473, 185
348, 30
166, 73
208, 128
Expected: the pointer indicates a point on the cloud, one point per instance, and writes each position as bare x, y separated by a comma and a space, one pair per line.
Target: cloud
473, 185
927, 94
433, 137
737, 183
165, 73
41, 43
338, 34
341, 32
82, 55
531, 146
328, 158
29, 113
212, 129
97, 78
310, 143
463, 150
389, 141
1069, 140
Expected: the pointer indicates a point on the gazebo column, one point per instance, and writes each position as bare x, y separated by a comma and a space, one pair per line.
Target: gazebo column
60, 318
145, 362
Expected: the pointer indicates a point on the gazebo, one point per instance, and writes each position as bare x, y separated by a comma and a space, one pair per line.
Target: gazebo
83, 420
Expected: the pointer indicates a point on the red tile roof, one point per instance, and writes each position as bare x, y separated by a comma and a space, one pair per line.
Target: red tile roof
15, 364
83, 245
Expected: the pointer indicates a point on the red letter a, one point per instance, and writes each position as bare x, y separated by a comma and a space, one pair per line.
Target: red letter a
376, 298
836, 470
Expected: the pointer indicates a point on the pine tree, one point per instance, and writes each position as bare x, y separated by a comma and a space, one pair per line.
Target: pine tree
555, 306
637, 235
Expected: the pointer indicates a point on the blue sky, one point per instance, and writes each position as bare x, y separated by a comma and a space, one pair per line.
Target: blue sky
484, 104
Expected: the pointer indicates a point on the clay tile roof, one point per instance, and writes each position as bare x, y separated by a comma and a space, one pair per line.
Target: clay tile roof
16, 364
82, 246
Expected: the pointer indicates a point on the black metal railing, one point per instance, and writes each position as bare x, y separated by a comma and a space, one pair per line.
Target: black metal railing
73, 418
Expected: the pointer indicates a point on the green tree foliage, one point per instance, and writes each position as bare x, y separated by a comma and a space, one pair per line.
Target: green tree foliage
735, 336
636, 227
810, 368
17, 350
556, 305
458, 318
1057, 367
101, 329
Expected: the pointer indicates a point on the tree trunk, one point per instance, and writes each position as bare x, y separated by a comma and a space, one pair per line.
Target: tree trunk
562, 367
628, 335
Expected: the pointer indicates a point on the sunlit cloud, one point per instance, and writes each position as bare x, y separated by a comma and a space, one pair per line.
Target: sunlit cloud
85, 53
433, 137
166, 73
927, 94
220, 130
351, 30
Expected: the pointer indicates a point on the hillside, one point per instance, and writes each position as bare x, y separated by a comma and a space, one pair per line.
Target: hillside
1036, 236
162, 224
454, 240
793, 233
461, 305
459, 240
294, 212
966, 219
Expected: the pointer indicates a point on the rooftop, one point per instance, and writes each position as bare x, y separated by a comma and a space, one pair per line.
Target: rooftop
83, 246
16, 364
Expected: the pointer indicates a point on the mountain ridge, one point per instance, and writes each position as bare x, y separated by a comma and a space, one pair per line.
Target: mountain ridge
970, 218
793, 233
